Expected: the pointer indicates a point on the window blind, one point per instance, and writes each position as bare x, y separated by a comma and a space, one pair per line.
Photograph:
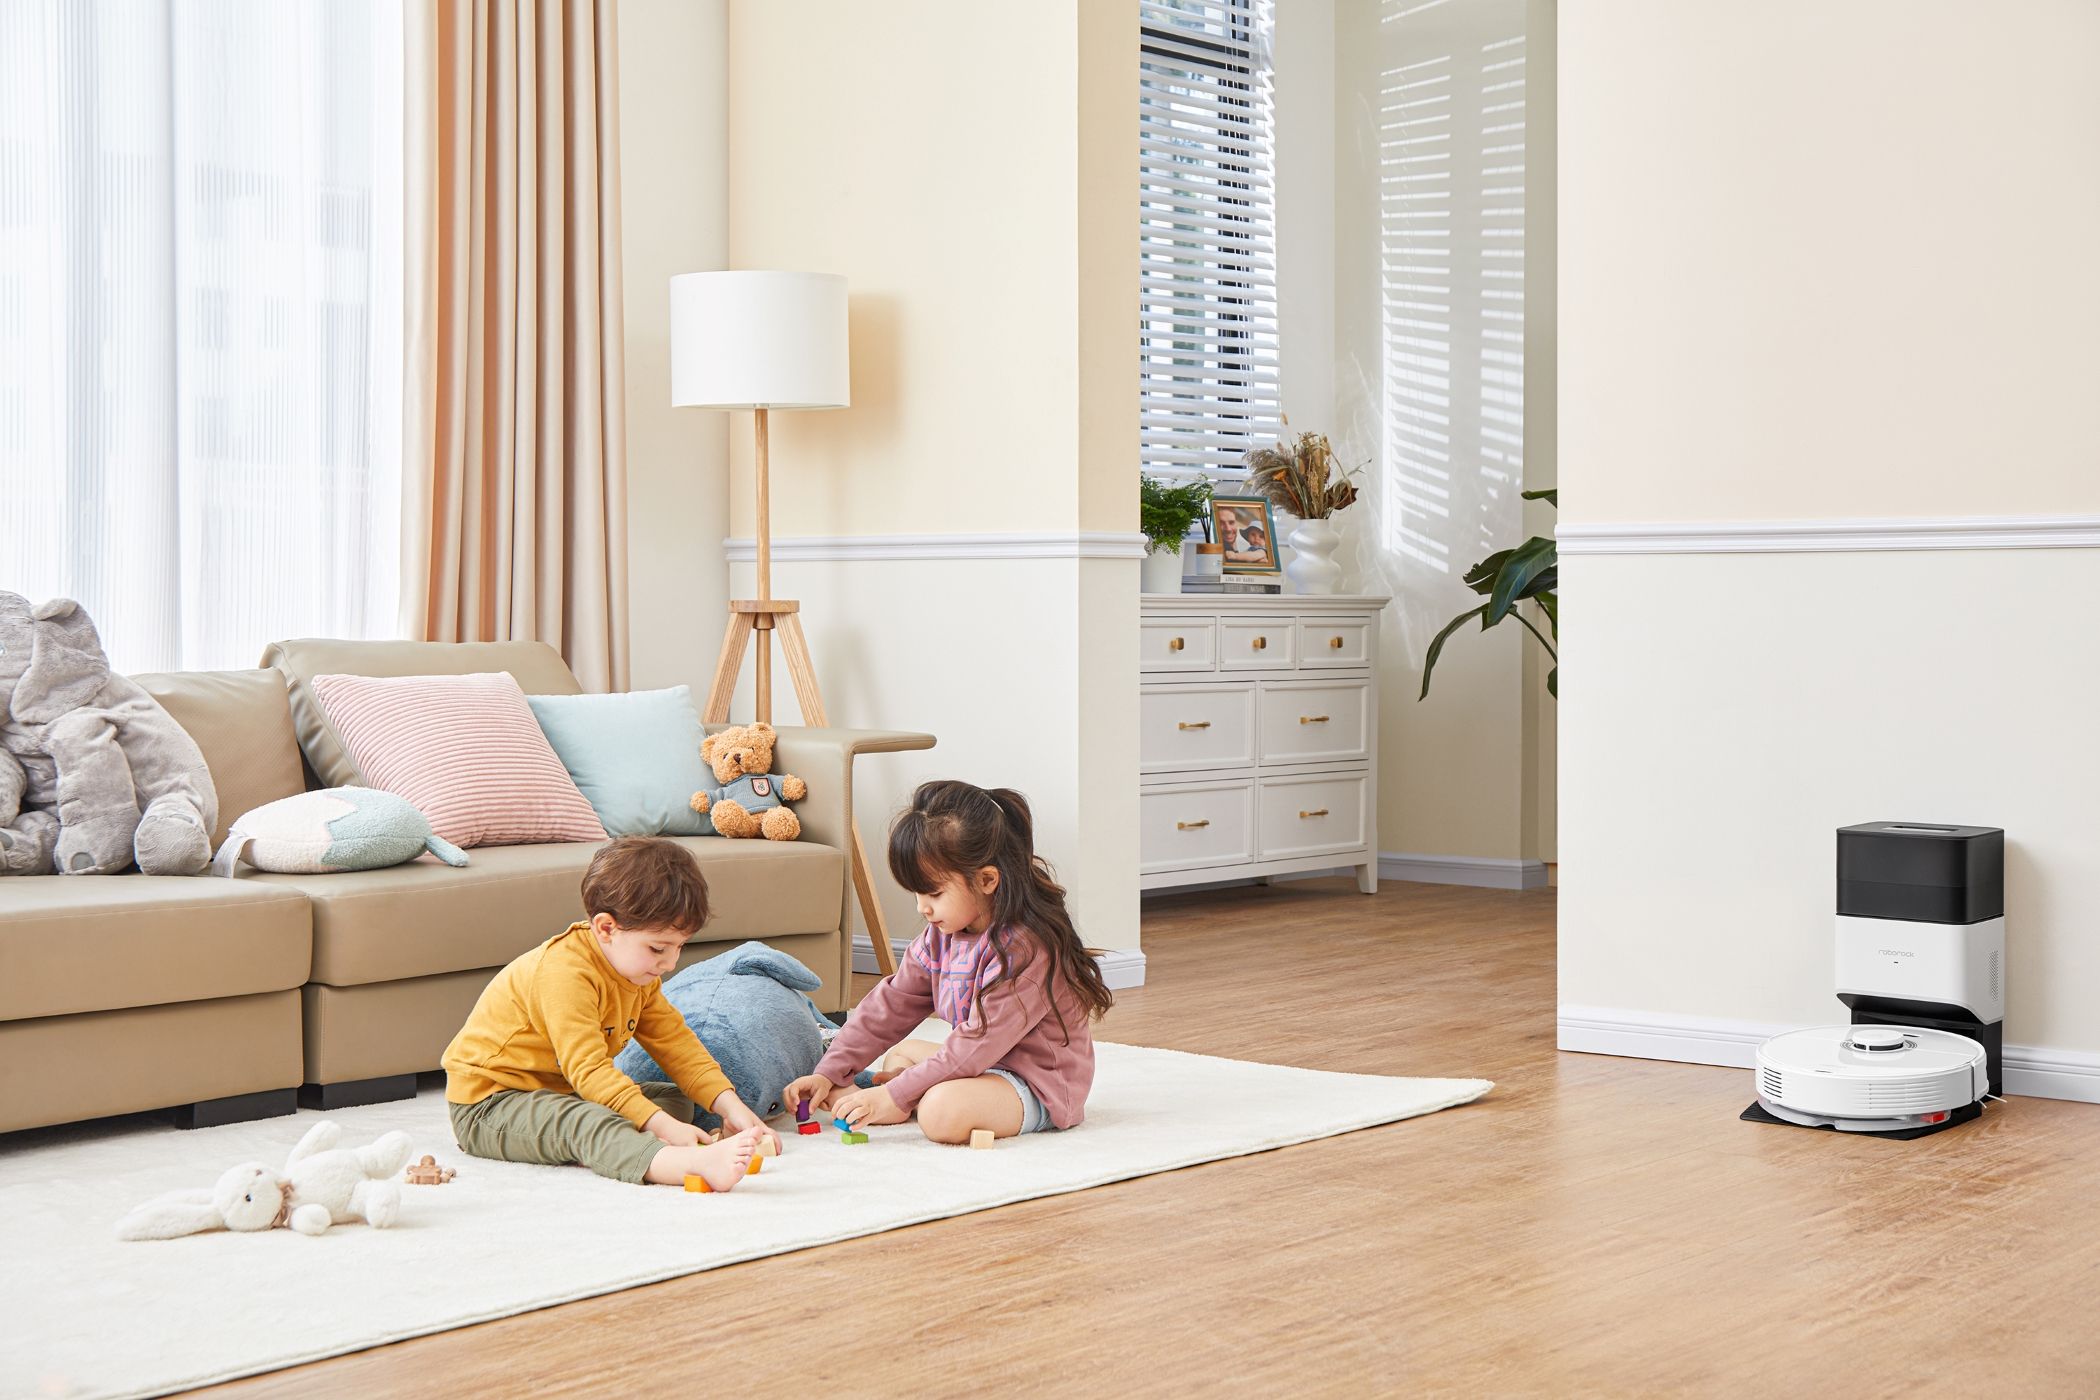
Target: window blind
1207, 339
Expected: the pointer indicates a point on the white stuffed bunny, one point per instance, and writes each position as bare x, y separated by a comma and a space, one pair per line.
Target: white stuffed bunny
319, 1187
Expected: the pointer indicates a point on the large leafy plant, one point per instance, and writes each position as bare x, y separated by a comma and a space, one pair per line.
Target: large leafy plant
1506, 578
1165, 512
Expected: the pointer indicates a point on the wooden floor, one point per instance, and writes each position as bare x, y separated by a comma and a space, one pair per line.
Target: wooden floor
1596, 1226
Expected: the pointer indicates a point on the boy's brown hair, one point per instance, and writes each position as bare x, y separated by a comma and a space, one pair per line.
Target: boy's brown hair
646, 882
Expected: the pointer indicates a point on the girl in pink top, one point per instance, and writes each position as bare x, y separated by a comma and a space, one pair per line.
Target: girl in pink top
999, 961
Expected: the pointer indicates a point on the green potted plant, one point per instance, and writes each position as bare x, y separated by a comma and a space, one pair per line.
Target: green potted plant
1166, 510
1507, 578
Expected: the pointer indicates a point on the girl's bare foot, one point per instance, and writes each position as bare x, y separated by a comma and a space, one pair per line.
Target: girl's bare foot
722, 1164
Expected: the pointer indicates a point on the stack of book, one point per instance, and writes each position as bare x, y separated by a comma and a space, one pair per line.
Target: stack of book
1231, 583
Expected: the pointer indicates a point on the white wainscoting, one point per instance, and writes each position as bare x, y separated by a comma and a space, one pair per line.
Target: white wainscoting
1828, 536
2033, 1071
1067, 544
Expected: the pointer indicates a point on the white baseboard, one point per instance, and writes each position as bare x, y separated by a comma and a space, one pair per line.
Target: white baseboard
1121, 968
2032, 1071
1487, 872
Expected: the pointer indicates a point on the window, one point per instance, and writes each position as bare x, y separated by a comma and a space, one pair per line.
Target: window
200, 323
1207, 279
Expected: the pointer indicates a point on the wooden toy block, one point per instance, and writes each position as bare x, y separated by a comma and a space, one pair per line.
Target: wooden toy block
757, 1160
697, 1183
768, 1147
842, 1125
807, 1128
981, 1137
851, 1138
428, 1173
801, 1110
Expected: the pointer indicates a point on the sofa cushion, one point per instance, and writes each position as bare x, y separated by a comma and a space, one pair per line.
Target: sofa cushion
537, 668
243, 722
635, 755
423, 918
465, 750
72, 943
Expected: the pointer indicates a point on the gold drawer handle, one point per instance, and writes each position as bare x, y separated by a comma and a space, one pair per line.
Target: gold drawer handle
1335, 642
1191, 826
1312, 719
1199, 724
1261, 643
1305, 816
1177, 644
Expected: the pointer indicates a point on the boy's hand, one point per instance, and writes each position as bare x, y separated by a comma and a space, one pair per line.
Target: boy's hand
814, 1087
672, 1133
865, 1106
736, 1117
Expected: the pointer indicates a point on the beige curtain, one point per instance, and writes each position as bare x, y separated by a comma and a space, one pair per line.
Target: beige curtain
515, 514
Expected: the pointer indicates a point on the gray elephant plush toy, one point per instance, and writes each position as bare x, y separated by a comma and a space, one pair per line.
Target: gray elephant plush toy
748, 1008
94, 774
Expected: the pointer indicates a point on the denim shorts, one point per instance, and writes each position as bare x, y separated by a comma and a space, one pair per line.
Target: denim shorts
1034, 1117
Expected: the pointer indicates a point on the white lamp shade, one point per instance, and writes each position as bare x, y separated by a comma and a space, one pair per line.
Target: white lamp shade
759, 340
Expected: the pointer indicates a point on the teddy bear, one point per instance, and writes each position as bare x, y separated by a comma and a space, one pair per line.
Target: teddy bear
320, 1186
95, 774
749, 800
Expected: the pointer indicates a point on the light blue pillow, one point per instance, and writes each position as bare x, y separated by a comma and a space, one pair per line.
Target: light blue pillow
635, 756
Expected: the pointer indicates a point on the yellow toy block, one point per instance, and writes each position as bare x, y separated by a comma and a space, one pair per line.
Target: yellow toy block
757, 1161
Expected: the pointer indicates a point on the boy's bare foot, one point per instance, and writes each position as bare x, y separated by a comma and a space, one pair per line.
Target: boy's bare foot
722, 1164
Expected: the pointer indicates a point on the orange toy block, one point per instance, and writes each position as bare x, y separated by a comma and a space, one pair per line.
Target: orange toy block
697, 1183
757, 1161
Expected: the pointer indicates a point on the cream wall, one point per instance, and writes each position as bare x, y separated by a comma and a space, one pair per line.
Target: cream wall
1868, 299
674, 165
1462, 772
971, 170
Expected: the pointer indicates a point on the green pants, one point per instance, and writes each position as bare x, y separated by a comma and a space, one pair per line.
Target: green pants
555, 1130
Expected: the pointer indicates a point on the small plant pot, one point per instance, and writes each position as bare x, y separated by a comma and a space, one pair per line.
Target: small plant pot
1161, 572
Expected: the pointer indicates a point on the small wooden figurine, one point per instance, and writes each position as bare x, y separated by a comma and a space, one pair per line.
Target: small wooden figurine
428, 1173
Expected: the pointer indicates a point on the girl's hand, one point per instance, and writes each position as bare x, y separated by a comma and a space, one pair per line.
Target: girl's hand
814, 1087
736, 1117
864, 1107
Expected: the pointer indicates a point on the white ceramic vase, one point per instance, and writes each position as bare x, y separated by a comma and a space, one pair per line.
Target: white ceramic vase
1161, 571
1312, 568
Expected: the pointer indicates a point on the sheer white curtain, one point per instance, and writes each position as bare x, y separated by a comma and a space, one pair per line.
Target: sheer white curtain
200, 319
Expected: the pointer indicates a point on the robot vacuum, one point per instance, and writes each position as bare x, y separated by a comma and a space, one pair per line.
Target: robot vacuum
1872, 1079
1921, 969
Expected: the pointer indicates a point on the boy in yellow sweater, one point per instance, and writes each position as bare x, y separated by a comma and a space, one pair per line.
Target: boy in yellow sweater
530, 1077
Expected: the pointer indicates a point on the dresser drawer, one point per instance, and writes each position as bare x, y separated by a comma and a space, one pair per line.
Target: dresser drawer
1313, 815
1186, 728
1174, 644
1195, 825
1314, 721
1343, 642
1253, 644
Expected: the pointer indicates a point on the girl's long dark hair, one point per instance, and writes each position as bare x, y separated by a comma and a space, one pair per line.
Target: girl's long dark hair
953, 830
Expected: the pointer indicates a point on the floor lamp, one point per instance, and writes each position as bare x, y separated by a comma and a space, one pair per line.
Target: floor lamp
764, 341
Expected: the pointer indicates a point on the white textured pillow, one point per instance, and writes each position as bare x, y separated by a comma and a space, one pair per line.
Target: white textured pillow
348, 828
464, 750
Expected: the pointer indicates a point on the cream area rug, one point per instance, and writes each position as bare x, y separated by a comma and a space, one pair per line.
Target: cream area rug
82, 1314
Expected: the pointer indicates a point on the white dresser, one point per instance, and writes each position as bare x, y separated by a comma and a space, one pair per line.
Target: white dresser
1257, 737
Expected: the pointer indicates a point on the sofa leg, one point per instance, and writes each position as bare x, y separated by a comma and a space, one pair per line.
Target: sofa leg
354, 1093
236, 1108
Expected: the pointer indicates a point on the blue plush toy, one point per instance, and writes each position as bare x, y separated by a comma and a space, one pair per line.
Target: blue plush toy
748, 1008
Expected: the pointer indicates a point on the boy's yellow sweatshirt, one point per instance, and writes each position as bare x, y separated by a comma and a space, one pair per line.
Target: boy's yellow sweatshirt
556, 1017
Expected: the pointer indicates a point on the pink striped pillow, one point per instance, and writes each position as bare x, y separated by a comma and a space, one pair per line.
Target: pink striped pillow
465, 750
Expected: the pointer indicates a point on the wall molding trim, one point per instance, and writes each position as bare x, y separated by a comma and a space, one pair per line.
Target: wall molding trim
1062, 544
1831, 536
2033, 1071
1486, 872
1121, 968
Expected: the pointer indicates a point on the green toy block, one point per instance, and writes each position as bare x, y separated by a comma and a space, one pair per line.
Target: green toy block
851, 1138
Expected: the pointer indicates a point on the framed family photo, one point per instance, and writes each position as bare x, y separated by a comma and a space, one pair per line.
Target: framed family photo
1245, 527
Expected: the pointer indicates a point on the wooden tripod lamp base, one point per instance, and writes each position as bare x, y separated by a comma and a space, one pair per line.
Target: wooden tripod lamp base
752, 618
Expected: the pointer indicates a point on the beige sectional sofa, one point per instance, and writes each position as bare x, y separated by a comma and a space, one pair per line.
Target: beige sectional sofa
233, 998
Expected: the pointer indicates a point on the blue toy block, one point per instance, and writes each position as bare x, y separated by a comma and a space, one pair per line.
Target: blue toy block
842, 1125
